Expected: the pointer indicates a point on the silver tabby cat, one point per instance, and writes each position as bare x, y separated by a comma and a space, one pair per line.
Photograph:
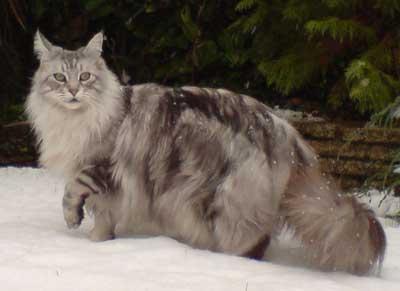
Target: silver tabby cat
209, 167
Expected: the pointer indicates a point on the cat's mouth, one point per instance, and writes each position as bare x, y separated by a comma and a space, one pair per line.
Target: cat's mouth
71, 100
72, 103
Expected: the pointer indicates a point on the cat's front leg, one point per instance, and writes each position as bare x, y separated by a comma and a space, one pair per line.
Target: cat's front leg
73, 202
103, 227
73, 208
92, 180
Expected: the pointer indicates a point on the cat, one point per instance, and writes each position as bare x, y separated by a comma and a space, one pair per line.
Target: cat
209, 167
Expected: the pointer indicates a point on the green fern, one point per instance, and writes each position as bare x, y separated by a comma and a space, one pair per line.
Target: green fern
380, 56
337, 3
248, 23
297, 11
245, 5
289, 72
340, 29
188, 26
386, 117
234, 52
371, 88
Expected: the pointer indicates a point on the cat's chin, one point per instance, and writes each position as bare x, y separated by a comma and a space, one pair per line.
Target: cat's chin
72, 105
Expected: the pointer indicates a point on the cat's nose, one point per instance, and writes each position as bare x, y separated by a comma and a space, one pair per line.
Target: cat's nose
73, 91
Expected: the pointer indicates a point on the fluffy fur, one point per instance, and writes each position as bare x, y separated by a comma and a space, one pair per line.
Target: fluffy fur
212, 168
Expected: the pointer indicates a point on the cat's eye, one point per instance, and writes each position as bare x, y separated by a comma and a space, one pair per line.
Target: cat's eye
59, 77
84, 76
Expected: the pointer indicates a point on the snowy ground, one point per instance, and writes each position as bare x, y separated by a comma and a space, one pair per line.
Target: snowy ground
293, 116
38, 252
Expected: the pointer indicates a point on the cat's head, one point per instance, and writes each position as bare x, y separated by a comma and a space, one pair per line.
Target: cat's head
73, 80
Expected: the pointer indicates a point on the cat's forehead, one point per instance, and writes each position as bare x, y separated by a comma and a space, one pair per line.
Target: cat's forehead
71, 59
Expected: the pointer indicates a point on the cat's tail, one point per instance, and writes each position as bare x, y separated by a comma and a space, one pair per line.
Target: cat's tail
337, 231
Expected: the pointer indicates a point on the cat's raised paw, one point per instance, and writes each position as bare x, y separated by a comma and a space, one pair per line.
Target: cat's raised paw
73, 217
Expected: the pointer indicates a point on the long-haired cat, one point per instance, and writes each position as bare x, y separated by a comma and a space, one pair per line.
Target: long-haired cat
209, 167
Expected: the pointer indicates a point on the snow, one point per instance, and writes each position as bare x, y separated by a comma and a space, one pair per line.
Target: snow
38, 252
293, 116
384, 204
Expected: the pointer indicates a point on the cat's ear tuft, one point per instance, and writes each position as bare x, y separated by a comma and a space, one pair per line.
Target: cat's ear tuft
95, 45
41, 46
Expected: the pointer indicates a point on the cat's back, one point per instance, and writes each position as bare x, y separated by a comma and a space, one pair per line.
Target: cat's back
167, 130
168, 109
213, 102
237, 111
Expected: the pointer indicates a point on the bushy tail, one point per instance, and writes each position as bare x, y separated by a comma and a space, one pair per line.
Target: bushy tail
338, 232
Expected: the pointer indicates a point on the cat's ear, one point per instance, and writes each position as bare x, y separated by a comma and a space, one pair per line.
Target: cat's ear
95, 45
41, 46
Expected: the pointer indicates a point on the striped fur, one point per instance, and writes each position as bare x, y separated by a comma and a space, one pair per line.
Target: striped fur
209, 167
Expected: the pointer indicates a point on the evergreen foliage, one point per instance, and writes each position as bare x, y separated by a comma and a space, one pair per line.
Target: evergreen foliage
348, 50
340, 30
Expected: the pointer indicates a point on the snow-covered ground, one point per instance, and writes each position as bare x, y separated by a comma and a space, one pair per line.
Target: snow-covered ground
38, 252
293, 116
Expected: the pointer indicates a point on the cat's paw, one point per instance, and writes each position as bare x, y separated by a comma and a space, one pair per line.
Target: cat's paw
73, 208
73, 216
98, 237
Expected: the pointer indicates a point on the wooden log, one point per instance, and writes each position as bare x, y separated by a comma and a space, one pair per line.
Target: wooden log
336, 149
371, 136
353, 168
316, 130
368, 135
17, 145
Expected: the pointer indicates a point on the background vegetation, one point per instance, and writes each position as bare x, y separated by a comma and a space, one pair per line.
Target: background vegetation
342, 54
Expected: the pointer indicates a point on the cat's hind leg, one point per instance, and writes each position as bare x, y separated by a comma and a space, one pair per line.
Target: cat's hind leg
243, 237
246, 204
258, 250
